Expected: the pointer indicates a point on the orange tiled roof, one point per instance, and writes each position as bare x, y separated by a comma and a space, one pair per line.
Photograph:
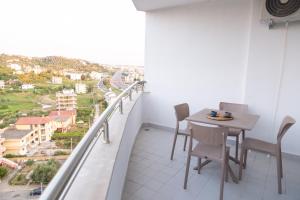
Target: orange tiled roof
33, 120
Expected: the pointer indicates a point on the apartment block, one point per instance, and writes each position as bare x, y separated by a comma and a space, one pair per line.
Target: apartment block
43, 125
66, 100
19, 141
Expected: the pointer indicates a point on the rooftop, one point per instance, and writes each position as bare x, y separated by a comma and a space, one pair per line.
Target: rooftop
14, 133
33, 120
60, 118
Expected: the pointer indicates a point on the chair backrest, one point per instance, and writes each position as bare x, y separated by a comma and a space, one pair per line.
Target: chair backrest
233, 107
208, 135
286, 123
182, 111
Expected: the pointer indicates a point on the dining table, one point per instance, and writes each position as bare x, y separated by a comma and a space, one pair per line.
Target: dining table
243, 121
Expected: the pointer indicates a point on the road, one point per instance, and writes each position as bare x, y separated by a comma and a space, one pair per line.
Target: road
101, 86
117, 82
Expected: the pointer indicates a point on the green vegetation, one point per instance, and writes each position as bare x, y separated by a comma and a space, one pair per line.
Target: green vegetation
60, 153
14, 104
9, 155
63, 140
6, 73
43, 173
19, 179
29, 162
3, 172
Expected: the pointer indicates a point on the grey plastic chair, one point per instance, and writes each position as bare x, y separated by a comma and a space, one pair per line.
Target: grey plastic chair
234, 132
182, 111
211, 146
267, 147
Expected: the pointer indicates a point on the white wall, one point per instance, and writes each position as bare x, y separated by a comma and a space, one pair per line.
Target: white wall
132, 128
213, 51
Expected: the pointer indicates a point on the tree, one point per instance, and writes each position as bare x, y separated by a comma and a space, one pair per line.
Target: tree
3, 172
43, 173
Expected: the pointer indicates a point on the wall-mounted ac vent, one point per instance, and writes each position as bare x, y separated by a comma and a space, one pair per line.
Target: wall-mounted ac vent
280, 11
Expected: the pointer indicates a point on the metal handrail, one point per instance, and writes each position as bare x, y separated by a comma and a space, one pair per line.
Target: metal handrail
60, 180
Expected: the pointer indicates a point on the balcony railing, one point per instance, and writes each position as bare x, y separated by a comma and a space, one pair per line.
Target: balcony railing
60, 183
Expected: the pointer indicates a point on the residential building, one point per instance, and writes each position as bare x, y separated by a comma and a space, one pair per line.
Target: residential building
74, 75
66, 100
63, 119
37, 69
2, 84
43, 125
199, 52
96, 75
80, 88
19, 141
27, 86
56, 80
15, 67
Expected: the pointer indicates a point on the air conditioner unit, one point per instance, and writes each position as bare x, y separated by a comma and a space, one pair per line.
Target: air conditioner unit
280, 11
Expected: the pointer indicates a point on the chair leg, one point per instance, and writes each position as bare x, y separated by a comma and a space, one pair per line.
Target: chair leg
226, 165
187, 171
242, 162
222, 179
185, 140
237, 147
280, 159
174, 143
279, 175
199, 164
245, 158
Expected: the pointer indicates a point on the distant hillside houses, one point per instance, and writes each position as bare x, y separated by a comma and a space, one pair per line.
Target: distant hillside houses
16, 67
96, 75
56, 80
27, 86
36, 69
74, 75
2, 84
80, 88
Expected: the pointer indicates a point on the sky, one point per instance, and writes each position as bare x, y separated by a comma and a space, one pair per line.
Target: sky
102, 31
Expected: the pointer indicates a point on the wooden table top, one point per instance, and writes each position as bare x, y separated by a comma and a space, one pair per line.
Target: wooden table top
243, 121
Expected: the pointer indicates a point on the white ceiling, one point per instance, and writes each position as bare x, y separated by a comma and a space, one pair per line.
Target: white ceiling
148, 5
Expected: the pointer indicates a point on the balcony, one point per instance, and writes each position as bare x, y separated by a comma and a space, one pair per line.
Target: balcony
199, 52
152, 175
132, 161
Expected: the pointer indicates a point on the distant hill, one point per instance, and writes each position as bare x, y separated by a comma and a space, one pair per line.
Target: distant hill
53, 63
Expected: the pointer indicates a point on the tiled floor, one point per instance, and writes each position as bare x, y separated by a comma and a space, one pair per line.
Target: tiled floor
152, 176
